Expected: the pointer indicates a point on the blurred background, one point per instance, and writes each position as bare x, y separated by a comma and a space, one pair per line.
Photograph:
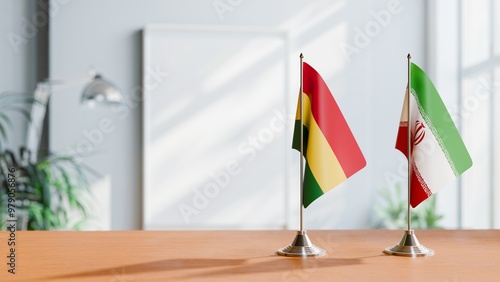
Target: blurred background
200, 134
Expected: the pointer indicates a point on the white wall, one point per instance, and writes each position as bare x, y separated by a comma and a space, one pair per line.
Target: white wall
467, 87
369, 87
18, 57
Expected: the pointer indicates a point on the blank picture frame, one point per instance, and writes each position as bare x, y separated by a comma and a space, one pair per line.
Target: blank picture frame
216, 127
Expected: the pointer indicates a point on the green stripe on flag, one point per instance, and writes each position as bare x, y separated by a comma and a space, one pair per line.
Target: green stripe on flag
434, 110
312, 191
296, 137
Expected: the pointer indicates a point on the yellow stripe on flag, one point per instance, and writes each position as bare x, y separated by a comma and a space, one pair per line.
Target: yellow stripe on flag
320, 157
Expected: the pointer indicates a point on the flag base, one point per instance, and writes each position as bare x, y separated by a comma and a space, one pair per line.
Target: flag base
409, 247
301, 247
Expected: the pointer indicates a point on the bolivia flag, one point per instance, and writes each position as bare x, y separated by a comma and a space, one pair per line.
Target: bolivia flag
331, 152
438, 153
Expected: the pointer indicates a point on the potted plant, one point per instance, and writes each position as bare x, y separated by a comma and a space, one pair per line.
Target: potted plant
51, 192
393, 212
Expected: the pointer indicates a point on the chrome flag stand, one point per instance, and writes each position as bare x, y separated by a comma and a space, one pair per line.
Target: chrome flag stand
409, 245
301, 245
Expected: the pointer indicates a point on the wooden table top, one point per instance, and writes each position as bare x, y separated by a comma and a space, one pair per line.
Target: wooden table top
353, 255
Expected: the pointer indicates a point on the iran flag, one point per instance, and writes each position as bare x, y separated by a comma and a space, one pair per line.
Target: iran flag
438, 154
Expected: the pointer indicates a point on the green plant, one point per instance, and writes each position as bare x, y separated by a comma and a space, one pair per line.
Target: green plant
393, 213
53, 191
47, 189
12, 102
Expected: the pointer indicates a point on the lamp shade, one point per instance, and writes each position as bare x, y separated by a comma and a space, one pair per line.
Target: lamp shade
101, 90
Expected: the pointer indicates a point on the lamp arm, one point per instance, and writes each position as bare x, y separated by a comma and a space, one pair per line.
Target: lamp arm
42, 94
99, 88
38, 111
56, 82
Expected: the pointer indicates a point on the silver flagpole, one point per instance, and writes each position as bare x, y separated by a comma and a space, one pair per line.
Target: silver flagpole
410, 157
301, 245
301, 171
409, 245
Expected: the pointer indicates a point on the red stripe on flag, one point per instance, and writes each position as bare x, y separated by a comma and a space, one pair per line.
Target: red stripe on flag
402, 138
419, 190
332, 123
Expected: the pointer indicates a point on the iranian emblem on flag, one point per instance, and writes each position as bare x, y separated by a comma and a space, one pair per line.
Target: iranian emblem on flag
438, 152
419, 132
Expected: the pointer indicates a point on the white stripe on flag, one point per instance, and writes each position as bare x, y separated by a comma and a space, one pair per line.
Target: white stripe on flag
430, 160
